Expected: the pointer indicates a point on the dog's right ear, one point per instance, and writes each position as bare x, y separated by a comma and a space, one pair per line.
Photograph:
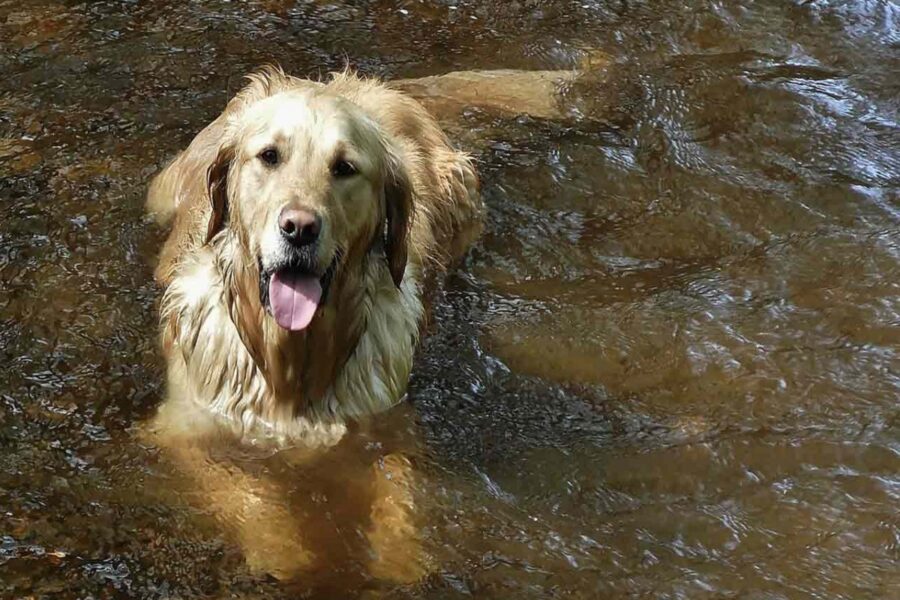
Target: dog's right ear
217, 188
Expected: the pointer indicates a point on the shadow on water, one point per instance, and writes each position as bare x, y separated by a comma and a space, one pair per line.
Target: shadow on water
669, 368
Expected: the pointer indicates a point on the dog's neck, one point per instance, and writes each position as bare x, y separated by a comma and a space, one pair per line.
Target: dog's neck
299, 367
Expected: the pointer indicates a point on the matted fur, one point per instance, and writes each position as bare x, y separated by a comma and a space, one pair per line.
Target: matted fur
226, 353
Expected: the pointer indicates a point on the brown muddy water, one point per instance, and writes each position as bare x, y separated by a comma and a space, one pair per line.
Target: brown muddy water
669, 369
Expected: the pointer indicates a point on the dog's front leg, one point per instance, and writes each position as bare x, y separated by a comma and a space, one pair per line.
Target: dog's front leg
397, 553
252, 508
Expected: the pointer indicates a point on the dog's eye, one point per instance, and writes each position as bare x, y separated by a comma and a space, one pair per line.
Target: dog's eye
269, 156
342, 168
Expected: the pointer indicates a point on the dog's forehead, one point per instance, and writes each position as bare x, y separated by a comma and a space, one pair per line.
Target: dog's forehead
294, 113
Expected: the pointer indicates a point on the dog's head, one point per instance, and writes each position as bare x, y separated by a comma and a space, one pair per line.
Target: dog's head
304, 180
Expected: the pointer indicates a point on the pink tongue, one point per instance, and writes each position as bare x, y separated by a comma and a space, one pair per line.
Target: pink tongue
294, 299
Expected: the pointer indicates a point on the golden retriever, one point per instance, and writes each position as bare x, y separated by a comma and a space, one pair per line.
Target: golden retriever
307, 222
307, 218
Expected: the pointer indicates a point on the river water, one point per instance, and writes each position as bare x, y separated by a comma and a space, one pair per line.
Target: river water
669, 369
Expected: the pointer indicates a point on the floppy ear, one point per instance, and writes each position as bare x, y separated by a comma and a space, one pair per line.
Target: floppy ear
217, 187
399, 206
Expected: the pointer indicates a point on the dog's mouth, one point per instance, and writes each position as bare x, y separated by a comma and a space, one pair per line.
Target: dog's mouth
293, 292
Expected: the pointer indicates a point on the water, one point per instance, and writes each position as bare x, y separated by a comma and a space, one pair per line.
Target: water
669, 369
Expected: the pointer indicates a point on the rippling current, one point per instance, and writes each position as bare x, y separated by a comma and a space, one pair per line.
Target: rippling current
669, 369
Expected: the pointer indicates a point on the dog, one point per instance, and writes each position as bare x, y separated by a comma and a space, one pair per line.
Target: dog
308, 223
307, 220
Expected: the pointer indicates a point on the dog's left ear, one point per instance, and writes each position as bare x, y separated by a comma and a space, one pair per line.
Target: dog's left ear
399, 206
217, 187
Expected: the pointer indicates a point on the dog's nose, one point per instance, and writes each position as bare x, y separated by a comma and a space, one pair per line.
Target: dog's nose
299, 227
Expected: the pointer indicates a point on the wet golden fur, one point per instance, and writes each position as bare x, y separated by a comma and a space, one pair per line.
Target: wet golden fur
232, 369
222, 348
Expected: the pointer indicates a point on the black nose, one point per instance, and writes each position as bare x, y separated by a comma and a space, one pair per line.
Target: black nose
299, 227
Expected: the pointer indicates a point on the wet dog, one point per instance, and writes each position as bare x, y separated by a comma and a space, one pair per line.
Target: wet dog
307, 221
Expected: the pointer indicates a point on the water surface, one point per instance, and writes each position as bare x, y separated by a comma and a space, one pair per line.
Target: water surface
669, 369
